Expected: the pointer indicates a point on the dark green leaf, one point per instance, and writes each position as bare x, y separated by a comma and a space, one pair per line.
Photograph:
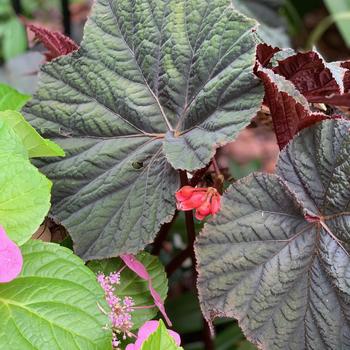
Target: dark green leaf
155, 84
277, 256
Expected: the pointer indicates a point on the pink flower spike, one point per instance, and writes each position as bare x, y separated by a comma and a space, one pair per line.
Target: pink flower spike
146, 330
11, 260
159, 303
133, 264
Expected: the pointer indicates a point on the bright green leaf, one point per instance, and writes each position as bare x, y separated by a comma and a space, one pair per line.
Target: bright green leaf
11, 99
133, 286
14, 38
25, 192
53, 304
160, 339
277, 255
35, 145
156, 85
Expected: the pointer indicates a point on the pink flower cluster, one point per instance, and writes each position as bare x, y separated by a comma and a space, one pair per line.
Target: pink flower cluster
120, 310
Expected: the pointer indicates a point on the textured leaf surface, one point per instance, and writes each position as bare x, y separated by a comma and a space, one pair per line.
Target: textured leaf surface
154, 82
133, 286
35, 145
25, 192
55, 42
11, 98
289, 109
53, 304
160, 339
277, 255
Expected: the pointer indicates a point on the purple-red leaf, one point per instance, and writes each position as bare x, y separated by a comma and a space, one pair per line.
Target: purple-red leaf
56, 43
289, 109
11, 260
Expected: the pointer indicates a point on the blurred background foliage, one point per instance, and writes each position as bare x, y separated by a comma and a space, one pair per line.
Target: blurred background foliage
301, 24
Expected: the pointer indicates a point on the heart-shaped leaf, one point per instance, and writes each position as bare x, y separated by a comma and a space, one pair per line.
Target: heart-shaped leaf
53, 304
132, 285
156, 85
277, 255
25, 192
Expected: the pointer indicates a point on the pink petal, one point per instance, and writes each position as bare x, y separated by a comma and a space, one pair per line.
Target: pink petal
130, 347
133, 264
146, 330
159, 303
11, 260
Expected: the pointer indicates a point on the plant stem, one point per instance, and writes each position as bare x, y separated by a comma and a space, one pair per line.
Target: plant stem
163, 232
216, 167
177, 261
191, 234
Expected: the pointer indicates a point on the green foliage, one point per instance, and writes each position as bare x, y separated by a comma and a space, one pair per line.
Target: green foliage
13, 38
275, 257
340, 11
160, 339
131, 110
133, 286
35, 145
25, 192
53, 304
11, 99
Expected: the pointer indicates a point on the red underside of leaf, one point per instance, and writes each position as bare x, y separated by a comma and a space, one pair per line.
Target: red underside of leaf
308, 72
289, 109
56, 43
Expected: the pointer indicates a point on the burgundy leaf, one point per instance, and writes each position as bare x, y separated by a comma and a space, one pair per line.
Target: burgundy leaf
56, 43
289, 109
312, 76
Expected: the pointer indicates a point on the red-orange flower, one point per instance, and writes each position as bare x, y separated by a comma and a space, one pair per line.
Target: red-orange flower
205, 200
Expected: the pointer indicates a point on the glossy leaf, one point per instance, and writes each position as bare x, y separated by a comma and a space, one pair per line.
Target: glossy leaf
53, 304
133, 286
25, 192
136, 101
11, 98
277, 255
35, 145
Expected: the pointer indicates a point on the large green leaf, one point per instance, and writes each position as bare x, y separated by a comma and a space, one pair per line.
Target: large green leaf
277, 256
155, 85
133, 286
35, 145
160, 339
53, 304
11, 98
24, 191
